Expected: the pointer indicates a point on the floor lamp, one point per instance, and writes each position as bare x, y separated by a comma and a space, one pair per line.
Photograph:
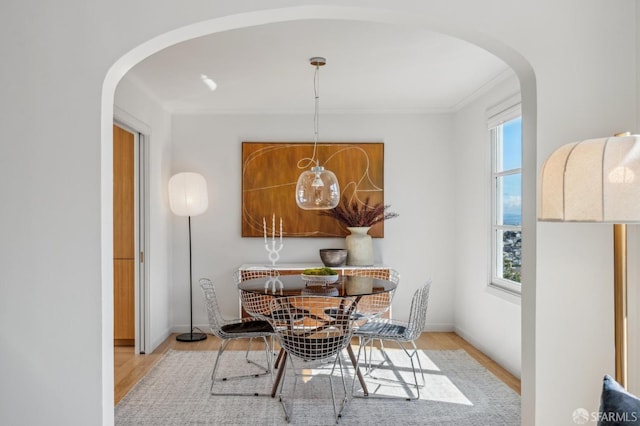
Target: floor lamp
598, 180
188, 197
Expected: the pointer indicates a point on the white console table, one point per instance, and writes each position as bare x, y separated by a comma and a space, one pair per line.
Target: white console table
297, 268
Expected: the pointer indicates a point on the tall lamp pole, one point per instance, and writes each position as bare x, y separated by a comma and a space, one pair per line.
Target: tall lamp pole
188, 197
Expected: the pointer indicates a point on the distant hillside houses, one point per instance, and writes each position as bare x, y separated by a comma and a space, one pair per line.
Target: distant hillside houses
512, 254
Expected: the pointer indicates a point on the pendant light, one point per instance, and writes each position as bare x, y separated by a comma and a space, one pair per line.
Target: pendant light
317, 188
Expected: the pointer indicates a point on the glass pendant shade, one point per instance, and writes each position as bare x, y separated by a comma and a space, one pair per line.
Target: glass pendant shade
596, 180
188, 194
317, 189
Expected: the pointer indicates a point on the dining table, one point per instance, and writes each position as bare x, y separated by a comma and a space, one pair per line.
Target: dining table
292, 285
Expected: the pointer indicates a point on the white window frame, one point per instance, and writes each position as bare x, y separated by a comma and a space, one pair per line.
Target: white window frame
496, 116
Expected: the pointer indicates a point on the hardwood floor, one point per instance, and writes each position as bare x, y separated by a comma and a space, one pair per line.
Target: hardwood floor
130, 368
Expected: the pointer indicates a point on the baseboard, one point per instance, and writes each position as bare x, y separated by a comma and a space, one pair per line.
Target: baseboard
185, 328
484, 349
157, 342
439, 327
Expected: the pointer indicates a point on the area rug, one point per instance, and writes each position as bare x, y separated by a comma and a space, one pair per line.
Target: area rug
457, 391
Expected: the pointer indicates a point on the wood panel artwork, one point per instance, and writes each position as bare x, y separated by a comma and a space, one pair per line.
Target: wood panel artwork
270, 172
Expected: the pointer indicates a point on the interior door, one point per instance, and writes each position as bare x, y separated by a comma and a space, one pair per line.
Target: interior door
123, 237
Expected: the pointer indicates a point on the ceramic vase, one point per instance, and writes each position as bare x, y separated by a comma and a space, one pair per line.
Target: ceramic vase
359, 247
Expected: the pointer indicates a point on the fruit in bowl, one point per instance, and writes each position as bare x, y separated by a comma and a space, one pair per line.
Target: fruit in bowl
320, 275
320, 271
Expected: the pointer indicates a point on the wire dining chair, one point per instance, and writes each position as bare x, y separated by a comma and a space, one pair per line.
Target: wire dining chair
229, 330
313, 344
404, 335
373, 305
251, 273
255, 305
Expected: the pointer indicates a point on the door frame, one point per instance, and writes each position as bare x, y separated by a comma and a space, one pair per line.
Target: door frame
141, 134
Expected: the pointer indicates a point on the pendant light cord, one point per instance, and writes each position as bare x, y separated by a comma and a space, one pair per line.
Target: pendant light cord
316, 115
316, 188
306, 162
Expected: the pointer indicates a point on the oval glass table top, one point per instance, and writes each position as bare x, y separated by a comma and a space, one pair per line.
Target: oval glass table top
290, 285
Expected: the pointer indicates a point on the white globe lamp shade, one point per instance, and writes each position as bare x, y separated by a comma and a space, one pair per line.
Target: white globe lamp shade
317, 189
596, 180
188, 194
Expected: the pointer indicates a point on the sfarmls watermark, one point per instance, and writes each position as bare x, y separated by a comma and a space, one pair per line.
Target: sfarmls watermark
582, 416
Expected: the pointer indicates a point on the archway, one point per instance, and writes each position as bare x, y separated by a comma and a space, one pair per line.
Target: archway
512, 58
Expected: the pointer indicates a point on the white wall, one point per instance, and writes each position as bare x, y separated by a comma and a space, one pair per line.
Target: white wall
487, 318
418, 157
637, 128
578, 75
574, 274
145, 115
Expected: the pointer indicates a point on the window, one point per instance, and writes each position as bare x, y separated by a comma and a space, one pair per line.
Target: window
506, 194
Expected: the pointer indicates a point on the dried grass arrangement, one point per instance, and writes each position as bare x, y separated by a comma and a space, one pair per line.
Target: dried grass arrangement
359, 214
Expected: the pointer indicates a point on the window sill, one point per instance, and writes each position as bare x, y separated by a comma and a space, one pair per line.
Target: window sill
505, 293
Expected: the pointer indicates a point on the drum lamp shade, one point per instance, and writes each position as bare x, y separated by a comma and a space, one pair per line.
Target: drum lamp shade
188, 194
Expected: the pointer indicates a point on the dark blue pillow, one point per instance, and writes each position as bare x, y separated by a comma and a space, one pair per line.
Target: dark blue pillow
617, 406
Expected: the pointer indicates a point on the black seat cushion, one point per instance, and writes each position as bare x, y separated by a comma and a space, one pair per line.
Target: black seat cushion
258, 326
289, 314
381, 328
334, 312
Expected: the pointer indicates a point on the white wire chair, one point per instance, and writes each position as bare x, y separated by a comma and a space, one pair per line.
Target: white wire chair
228, 330
402, 333
316, 337
375, 305
256, 306
248, 274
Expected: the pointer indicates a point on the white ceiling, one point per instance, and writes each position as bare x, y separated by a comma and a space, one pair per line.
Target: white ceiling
370, 67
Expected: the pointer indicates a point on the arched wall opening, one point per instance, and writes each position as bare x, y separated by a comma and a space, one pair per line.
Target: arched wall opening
500, 49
